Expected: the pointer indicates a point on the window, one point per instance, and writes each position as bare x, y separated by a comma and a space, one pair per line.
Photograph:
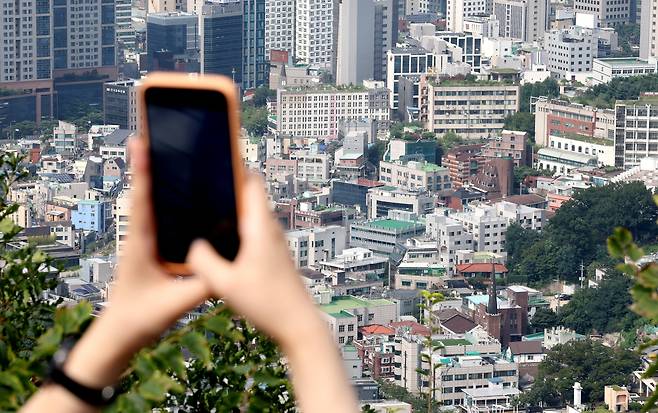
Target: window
341, 328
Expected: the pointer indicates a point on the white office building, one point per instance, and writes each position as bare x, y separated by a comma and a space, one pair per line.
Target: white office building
403, 61
415, 175
125, 31
603, 149
458, 10
648, 29
316, 112
451, 237
525, 216
606, 69
310, 246
525, 20
279, 26
486, 226
610, 13
636, 135
315, 30
383, 199
356, 41
569, 53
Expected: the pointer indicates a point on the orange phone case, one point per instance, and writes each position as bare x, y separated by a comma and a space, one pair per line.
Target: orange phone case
225, 86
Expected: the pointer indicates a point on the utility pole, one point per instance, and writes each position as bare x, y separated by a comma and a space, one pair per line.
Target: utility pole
582, 275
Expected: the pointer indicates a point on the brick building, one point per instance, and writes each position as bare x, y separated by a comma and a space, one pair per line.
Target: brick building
463, 162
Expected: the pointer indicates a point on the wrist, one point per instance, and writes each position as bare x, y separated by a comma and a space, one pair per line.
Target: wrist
101, 356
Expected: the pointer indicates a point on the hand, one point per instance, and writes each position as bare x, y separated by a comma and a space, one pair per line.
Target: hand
144, 300
261, 283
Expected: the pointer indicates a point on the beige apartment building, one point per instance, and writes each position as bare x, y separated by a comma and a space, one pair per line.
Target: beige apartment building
473, 110
413, 175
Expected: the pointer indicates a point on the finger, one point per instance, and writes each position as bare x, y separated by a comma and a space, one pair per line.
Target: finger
209, 266
141, 213
182, 295
256, 213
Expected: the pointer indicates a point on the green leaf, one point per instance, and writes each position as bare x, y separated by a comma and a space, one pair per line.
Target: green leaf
243, 369
614, 247
72, 318
10, 380
49, 342
169, 356
268, 379
219, 324
157, 386
197, 344
7, 226
132, 403
144, 365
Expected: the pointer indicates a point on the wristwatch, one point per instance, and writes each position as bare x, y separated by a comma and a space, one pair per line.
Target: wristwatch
89, 395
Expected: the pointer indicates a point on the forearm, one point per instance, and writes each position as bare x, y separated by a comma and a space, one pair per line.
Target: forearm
319, 380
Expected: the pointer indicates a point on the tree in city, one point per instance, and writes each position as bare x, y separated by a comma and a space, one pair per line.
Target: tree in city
522, 121
604, 309
518, 240
627, 88
544, 318
588, 362
254, 120
215, 360
261, 94
549, 88
576, 234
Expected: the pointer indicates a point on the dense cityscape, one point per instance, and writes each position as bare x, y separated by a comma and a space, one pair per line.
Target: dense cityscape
480, 149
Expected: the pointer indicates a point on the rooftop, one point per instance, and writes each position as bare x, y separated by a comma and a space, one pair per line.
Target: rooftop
392, 224
345, 303
622, 61
586, 138
454, 341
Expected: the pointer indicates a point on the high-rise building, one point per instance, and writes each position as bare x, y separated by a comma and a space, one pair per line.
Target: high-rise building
386, 34
84, 34
636, 130
356, 41
124, 24
457, 10
279, 26
26, 39
470, 45
569, 53
609, 12
120, 104
648, 23
162, 6
404, 61
171, 37
522, 19
315, 30
233, 41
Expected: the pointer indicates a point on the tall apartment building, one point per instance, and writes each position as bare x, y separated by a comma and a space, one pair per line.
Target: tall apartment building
172, 33
636, 130
404, 61
386, 34
315, 32
383, 199
125, 31
569, 53
279, 26
311, 166
473, 110
413, 175
310, 246
486, 226
555, 117
163, 6
648, 29
522, 19
318, 111
84, 34
450, 236
458, 10
120, 104
233, 41
609, 12
356, 41
26, 37
525, 216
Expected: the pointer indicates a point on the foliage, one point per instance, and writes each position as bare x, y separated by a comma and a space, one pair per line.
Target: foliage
397, 130
261, 94
521, 121
234, 369
229, 365
28, 128
376, 152
548, 87
604, 309
522, 172
450, 139
580, 227
392, 391
544, 318
254, 120
517, 242
429, 301
588, 362
605, 95
628, 37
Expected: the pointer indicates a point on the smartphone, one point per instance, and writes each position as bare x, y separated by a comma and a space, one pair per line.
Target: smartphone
191, 125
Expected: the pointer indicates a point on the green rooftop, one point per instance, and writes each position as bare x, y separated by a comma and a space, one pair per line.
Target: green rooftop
387, 188
342, 304
534, 337
586, 138
454, 342
628, 61
392, 224
432, 167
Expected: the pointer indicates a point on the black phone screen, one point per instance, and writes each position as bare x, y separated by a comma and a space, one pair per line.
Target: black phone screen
192, 172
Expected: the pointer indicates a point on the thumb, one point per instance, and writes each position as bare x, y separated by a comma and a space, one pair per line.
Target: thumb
210, 266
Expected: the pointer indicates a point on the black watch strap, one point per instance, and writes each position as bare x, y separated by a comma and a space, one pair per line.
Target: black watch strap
91, 396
